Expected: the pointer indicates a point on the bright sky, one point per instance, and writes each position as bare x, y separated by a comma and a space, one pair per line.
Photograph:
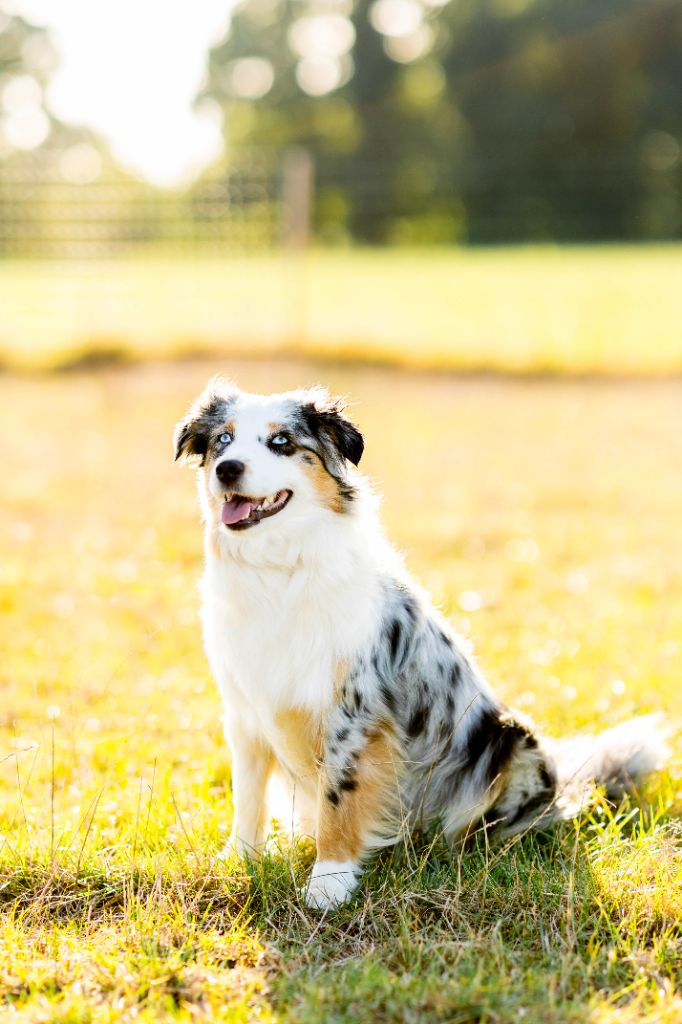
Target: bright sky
130, 69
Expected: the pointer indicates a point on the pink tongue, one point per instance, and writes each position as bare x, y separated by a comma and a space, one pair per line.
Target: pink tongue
235, 510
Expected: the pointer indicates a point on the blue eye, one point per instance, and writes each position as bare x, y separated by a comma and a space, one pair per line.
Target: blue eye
225, 438
279, 440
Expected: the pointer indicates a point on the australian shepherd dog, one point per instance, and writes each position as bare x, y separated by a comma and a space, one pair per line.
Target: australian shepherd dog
336, 669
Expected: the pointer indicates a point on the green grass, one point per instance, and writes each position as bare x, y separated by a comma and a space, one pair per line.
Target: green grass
536, 309
545, 519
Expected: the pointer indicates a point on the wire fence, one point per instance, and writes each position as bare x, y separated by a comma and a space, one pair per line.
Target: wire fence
111, 267
45, 217
114, 266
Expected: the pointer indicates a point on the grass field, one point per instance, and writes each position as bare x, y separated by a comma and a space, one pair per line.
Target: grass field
545, 518
536, 309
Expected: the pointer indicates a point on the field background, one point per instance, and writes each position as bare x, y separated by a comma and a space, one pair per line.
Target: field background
544, 516
467, 217
597, 309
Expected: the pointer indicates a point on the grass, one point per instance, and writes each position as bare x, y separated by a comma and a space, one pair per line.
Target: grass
544, 517
536, 309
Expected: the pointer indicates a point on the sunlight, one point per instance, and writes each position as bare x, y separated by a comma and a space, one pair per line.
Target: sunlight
148, 118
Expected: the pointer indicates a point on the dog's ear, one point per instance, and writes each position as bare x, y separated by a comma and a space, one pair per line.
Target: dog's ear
190, 439
325, 418
209, 410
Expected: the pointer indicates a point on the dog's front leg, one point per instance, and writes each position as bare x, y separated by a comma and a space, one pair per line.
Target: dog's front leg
356, 806
251, 764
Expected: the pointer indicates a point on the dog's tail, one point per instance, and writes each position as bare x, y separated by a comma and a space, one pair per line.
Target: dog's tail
553, 780
617, 760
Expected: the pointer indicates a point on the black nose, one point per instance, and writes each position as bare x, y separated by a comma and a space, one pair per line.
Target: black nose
229, 471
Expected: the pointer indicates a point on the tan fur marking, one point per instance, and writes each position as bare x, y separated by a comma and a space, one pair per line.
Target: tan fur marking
343, 830
324, 484
339, 678
301, 736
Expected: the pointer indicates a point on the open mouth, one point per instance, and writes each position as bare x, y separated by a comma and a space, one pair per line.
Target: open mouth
238, 511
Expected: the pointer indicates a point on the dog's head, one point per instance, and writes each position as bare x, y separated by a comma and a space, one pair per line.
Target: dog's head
268, 458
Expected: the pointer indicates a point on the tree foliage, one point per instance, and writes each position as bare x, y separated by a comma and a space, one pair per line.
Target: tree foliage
482, 119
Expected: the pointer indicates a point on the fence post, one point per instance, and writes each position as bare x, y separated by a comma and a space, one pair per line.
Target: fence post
296, 197
297, 190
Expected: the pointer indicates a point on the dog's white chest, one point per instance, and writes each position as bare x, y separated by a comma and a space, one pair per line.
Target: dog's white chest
277, 637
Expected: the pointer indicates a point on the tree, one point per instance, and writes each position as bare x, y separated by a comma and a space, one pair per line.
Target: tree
498, 119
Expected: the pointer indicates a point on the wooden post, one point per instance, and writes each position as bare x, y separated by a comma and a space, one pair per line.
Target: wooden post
297, 190
296, 199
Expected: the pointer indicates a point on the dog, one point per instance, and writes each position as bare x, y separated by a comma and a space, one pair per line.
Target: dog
335, 668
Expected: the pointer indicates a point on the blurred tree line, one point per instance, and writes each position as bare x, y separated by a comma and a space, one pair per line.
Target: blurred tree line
478, 120
428, 122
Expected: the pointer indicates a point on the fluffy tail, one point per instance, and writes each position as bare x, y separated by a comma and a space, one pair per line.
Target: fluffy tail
616, 759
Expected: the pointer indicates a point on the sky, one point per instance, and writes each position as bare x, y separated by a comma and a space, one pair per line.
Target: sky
130, 69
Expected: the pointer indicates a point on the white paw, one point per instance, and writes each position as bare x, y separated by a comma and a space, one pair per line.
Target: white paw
331, 883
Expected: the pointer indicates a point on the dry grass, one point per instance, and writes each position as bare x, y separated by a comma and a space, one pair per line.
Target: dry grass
544, 517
